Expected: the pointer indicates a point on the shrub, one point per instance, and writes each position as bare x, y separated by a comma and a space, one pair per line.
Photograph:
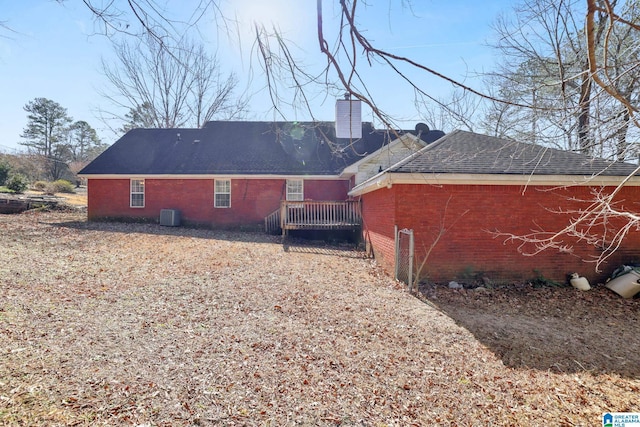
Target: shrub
40, 185
17, 183
4, 173
62, 186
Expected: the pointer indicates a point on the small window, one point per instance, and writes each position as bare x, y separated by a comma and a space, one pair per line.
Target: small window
137, 193
222, 193
295, 190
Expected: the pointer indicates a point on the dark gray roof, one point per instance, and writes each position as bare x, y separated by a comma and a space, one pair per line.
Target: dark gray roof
471, 153
236, 147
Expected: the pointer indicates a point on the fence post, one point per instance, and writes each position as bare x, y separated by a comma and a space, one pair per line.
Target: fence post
411, 284
404, 256
396, 242
283, 217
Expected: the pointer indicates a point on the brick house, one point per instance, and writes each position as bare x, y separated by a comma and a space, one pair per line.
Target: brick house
233, 174
475, 190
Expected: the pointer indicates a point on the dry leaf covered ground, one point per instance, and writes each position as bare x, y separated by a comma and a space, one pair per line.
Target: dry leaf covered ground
129, 324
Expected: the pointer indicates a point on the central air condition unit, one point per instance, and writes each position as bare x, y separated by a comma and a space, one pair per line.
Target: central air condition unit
170, 217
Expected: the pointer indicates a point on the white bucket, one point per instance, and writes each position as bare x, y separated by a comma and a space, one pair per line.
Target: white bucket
626, 285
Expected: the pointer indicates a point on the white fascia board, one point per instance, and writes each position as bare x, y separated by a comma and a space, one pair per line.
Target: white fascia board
389, 179
209, 176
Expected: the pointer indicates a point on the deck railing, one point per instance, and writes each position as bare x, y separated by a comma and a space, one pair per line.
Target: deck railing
320, 215
272, 222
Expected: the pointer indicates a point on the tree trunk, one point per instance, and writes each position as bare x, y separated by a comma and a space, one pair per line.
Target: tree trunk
584, 137
621, 136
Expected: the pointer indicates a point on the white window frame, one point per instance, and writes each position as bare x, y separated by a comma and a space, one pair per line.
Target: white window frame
136, 188
221, 192
293, 194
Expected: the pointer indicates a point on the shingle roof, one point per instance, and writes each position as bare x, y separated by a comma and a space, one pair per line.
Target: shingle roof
235, 147
461, 152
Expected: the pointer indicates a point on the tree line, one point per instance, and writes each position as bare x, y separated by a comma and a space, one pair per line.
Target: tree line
569, 80
56, 146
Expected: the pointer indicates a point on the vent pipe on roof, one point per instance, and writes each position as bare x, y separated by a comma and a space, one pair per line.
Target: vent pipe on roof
348, 118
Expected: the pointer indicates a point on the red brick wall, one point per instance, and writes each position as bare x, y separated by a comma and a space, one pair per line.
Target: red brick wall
108, 198
378, 213
326, 189
251, 199
471, 213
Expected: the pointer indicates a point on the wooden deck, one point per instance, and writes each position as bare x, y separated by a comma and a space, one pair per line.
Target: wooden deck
315, 215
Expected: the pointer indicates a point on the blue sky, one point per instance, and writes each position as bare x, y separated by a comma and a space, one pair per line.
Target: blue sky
52, 51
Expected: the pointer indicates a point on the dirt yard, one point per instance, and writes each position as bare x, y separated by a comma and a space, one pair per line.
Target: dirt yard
122, 324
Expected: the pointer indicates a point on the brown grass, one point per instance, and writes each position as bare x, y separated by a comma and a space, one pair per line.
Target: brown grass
125, 324
76, 199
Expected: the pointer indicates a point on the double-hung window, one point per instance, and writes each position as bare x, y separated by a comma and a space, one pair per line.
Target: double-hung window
295, 190
222, 193
136, 199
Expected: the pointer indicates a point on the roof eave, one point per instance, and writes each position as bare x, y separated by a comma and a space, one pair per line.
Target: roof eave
388, 179
209, 176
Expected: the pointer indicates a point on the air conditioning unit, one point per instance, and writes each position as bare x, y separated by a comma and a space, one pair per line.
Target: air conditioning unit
170, 217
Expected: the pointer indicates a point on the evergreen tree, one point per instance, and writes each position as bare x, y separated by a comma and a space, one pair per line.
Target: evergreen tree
45, 134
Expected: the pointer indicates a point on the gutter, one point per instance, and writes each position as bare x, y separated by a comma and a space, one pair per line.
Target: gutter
388, 179
207, 176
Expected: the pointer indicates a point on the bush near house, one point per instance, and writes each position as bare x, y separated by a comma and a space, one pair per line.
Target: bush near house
17, 183
62, 186
58, 186
4, 173
39, 185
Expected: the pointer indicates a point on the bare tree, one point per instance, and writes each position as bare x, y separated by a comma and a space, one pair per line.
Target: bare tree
458, 111
139, 18
170, 86
547, 66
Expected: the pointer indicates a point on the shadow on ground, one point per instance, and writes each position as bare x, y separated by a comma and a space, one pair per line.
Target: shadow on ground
345, 250
182, 231
294, 245
555, 329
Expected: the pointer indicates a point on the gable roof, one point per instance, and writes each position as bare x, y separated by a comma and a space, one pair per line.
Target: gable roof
236, 148
468, 152
406, 142
470, 157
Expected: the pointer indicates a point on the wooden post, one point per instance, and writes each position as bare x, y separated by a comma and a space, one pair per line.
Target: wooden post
397, 246
411, 262
283, 218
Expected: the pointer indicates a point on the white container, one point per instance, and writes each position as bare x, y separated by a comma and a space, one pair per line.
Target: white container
579, 282
626, 285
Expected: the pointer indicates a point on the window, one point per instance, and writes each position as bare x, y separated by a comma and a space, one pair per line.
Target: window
295, 190
137, 193
222, 193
